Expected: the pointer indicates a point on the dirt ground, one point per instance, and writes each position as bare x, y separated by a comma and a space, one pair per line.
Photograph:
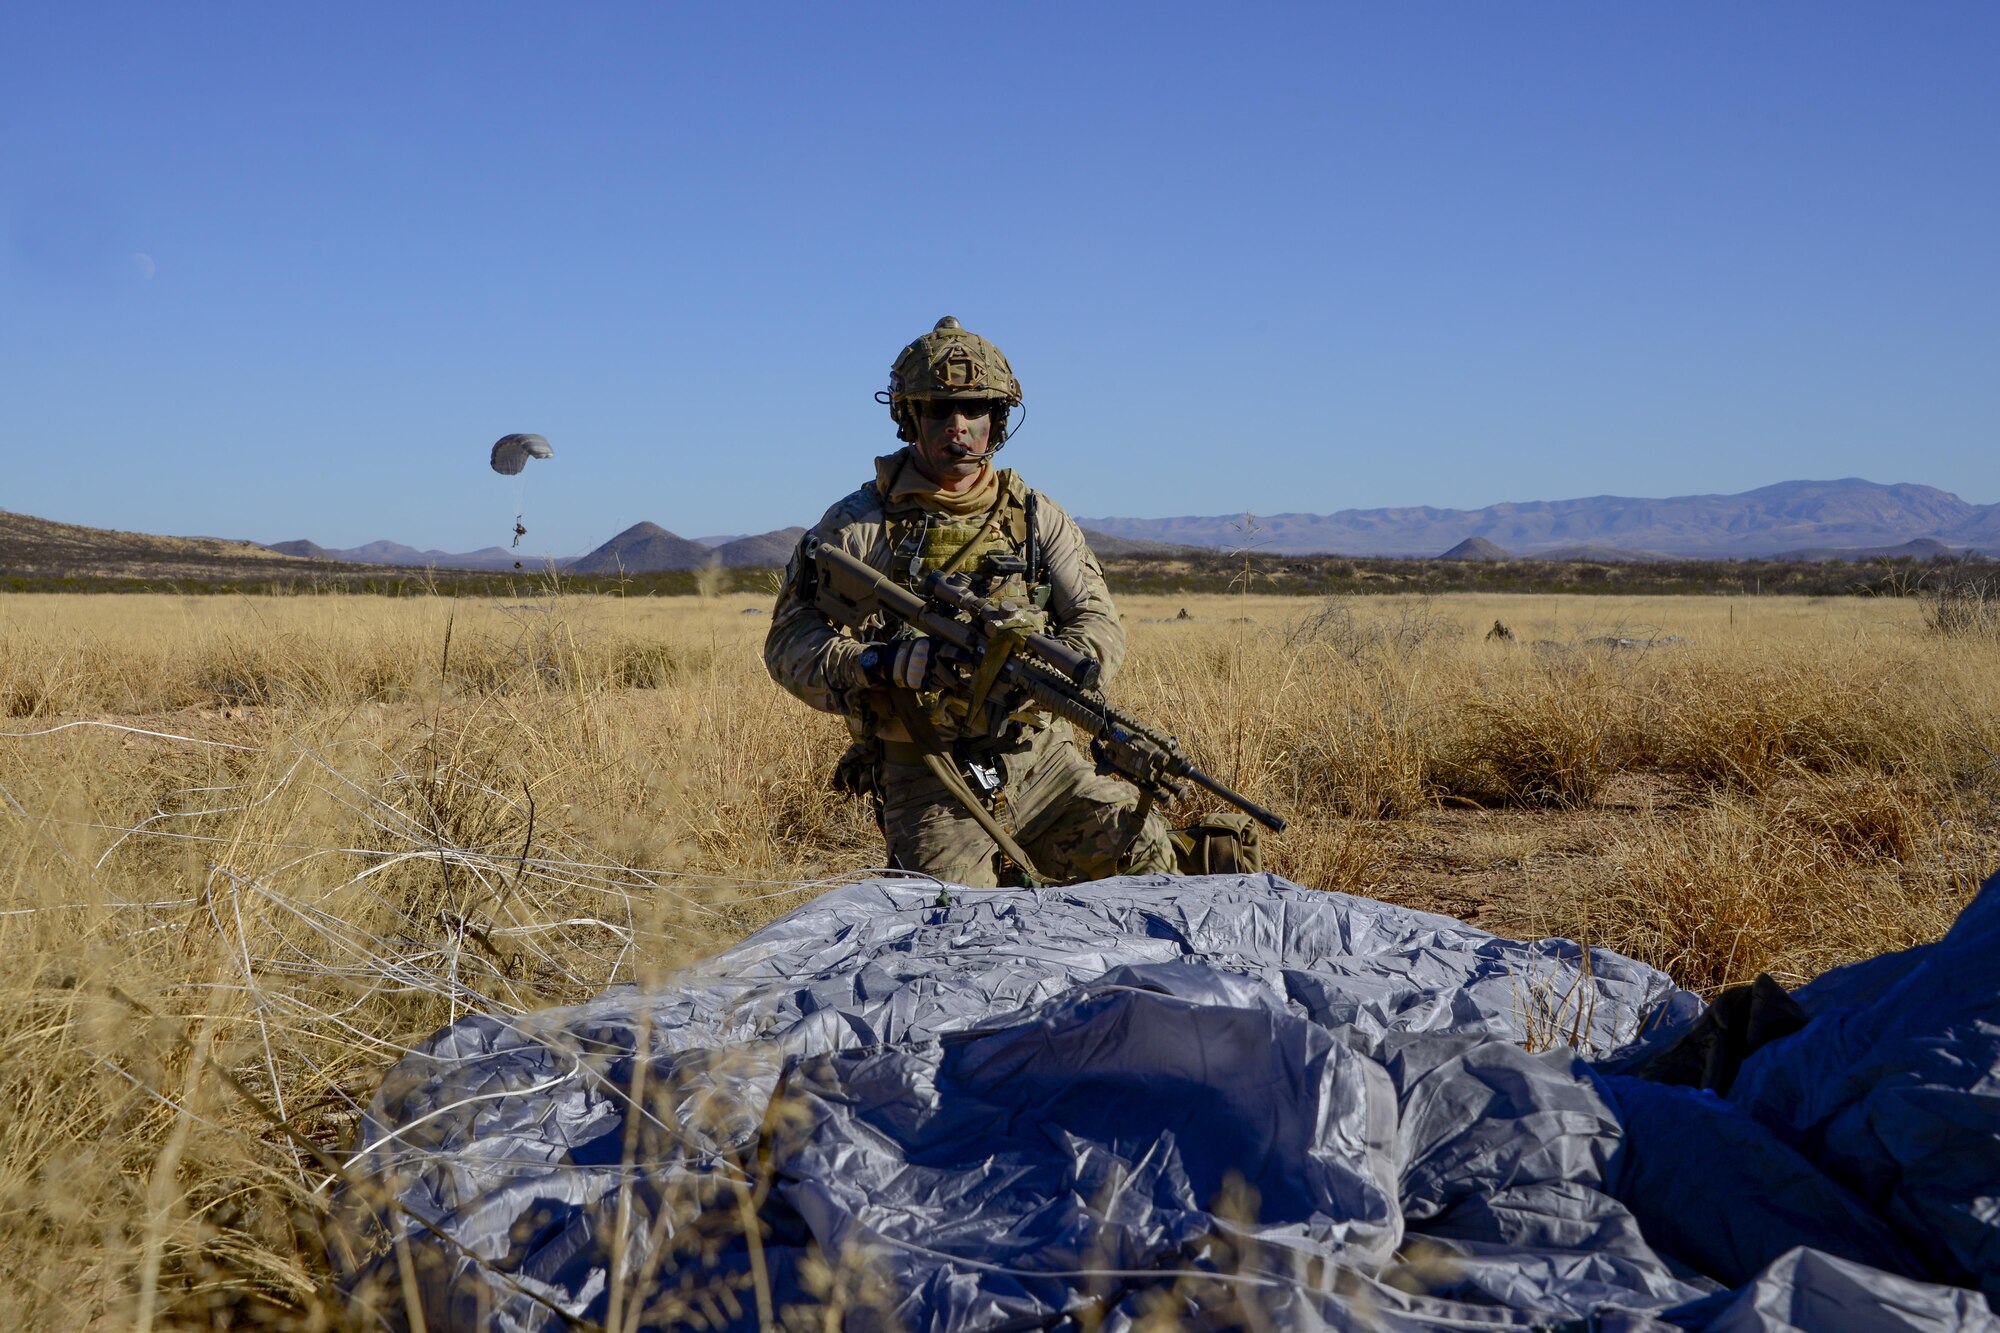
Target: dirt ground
1484, 866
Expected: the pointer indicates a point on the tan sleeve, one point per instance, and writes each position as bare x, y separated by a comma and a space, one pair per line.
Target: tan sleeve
804, 651
1080, 608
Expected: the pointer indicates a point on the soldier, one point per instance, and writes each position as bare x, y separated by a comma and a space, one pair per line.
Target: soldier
939, 504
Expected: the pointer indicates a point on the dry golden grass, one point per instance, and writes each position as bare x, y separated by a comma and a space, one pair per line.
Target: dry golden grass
287, 837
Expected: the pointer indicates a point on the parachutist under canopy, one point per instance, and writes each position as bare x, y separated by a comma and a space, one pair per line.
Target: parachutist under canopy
510, 455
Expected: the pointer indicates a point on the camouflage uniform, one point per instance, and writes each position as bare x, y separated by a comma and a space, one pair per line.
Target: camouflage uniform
1073, 822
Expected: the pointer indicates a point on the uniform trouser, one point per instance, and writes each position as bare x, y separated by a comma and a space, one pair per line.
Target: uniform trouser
1073, 822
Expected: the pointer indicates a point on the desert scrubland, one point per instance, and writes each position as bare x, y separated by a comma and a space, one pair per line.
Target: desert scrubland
251, 848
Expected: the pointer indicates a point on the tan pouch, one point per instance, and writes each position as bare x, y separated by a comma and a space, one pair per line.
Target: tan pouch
854, 772
1224, 843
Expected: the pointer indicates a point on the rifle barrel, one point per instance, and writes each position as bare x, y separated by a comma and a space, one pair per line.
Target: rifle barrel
1275, 823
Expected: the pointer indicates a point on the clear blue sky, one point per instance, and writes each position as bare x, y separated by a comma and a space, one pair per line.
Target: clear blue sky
279, 271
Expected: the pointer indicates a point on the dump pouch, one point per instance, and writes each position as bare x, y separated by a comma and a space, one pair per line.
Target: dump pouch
854, 771
1224, 843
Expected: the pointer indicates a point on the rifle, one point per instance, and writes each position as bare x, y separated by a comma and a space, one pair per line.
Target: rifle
1056, 676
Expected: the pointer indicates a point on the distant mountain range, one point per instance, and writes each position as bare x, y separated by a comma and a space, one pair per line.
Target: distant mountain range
1802, 520
1796, 520
1851, 516
643, 548
395, 553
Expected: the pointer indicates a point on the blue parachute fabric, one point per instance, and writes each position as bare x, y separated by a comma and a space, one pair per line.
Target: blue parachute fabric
1092, 1107
1753, 1198
1894, 1090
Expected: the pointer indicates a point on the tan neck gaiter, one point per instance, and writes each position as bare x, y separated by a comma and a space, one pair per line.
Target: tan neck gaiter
899, 478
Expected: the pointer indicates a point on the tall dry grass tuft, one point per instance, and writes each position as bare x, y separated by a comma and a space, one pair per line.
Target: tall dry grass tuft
1548, 734
1744, 722
1360, 736
274, 842
1813, 871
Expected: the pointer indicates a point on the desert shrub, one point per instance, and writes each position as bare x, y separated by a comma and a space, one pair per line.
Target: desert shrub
1359, 727
1366, 746
1857, 814
1339, 854
1963, 606
1372, 635
32, 695
643, 665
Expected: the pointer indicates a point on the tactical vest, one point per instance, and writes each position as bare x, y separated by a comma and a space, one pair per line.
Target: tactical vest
998, 550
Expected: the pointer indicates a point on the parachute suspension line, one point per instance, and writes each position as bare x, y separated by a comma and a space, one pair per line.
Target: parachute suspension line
520, 508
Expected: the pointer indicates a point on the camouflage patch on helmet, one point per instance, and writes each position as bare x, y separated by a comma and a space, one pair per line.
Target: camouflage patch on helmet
958, 368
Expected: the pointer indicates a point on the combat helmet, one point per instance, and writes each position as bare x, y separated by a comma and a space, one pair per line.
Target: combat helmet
949, 362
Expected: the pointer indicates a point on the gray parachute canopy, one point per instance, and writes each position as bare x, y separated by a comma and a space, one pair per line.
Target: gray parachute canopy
512, 452
1228, 1099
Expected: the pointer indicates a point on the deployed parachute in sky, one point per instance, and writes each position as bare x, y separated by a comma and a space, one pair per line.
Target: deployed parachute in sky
512, 452
510, 455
